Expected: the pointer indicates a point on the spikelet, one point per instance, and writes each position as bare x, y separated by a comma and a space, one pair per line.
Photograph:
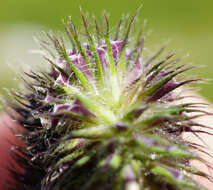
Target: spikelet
105, 117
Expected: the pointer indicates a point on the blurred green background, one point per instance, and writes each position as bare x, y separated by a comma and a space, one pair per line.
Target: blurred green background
189, 23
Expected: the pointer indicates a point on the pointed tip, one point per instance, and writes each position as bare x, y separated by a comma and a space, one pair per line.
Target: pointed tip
136, 13
85, 23
80, 8
118, 29
107, 23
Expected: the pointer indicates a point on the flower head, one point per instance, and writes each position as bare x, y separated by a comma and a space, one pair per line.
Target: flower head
105, 116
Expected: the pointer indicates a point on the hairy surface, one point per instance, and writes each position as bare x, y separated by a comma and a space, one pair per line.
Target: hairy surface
106, 116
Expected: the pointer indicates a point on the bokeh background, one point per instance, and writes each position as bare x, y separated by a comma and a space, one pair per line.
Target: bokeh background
188, 23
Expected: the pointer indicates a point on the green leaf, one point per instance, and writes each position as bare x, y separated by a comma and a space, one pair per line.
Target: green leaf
157, 170
110, 57
152, 89
103, 115
78, 43
115, 161
121, 62
80, 75
190, 185
82, 161
91, 132
155, 113
99, 69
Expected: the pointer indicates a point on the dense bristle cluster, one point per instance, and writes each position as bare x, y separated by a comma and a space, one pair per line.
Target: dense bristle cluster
105, 117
